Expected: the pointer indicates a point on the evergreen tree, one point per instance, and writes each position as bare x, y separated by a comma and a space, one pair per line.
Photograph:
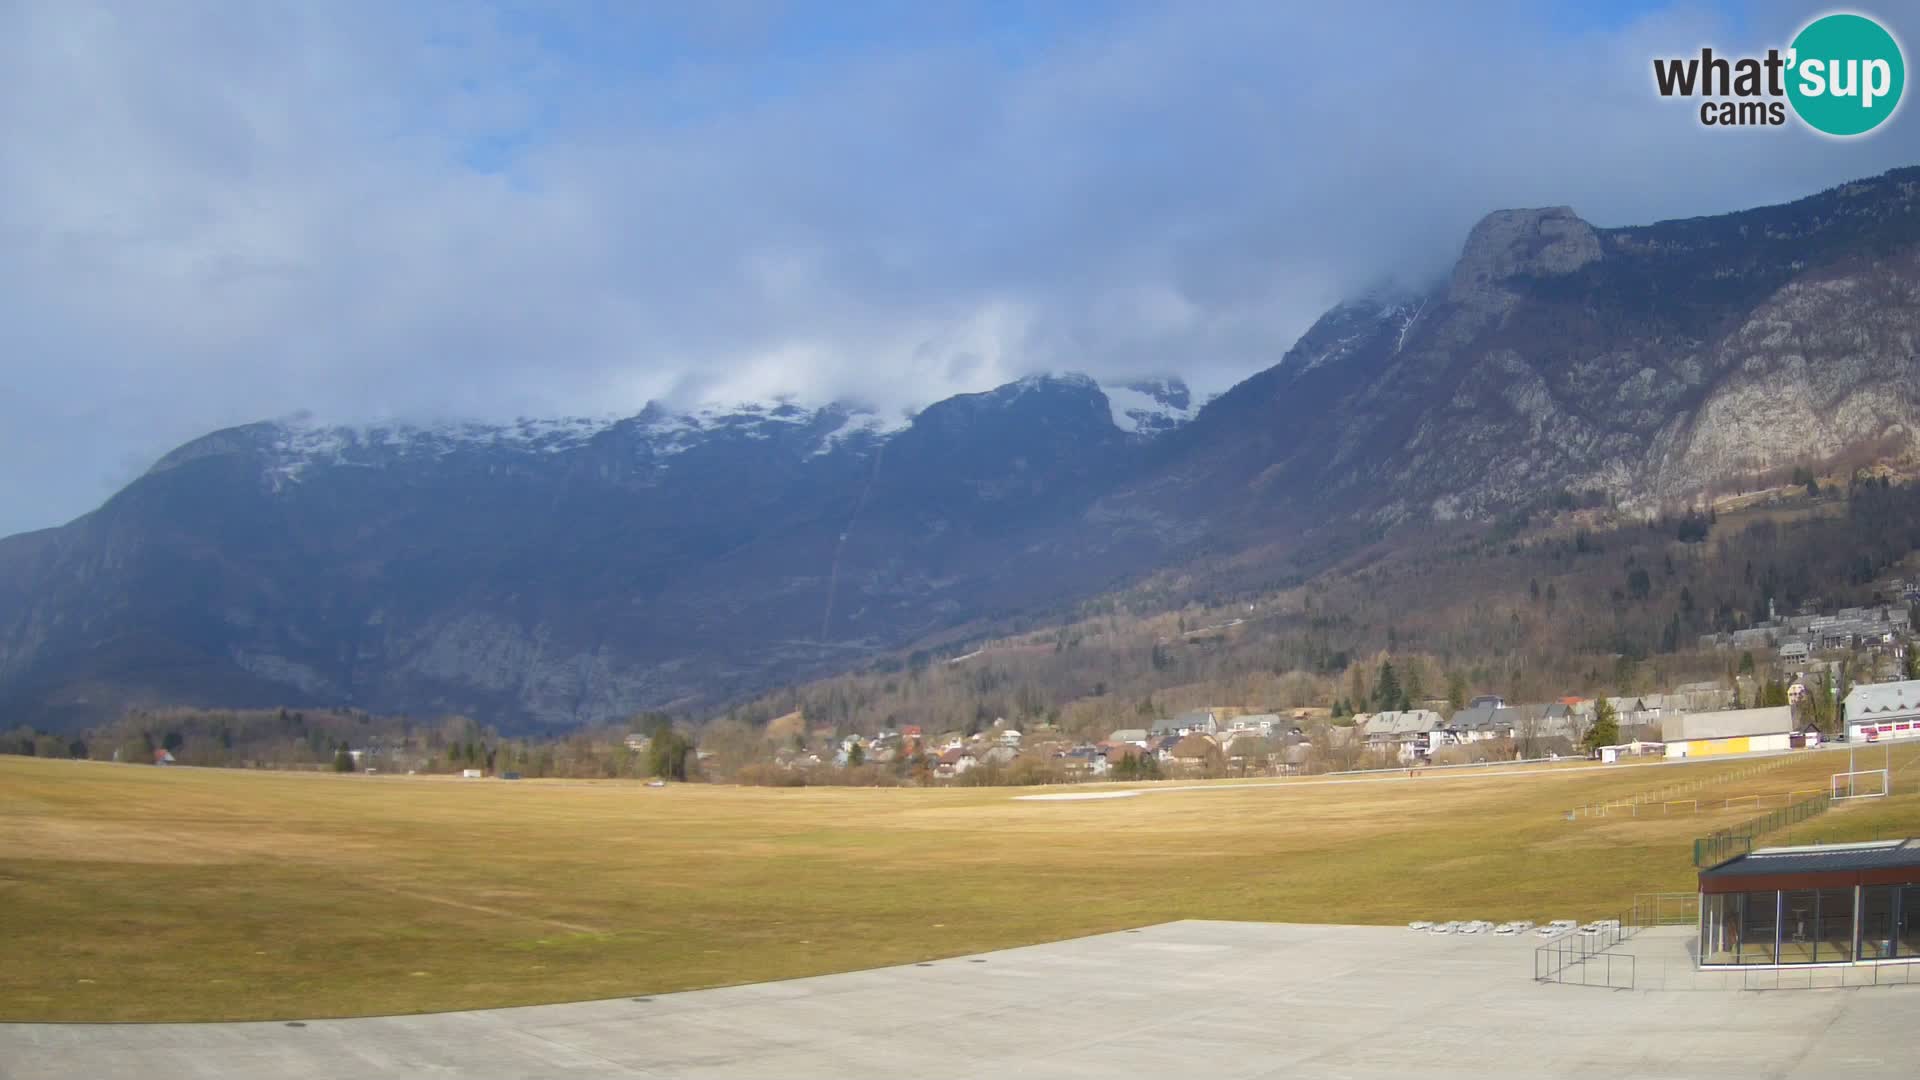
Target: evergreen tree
1606, 726
1387, 694
668, 754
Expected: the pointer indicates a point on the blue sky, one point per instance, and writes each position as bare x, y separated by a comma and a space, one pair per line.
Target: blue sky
212, 213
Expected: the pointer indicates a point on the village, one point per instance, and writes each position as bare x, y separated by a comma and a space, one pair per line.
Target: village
1799, 681
1693, 721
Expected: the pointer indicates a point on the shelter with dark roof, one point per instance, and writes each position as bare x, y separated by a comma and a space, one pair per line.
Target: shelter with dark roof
1823, 904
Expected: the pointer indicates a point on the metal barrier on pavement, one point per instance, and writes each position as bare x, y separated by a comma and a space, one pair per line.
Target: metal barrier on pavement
1583, 958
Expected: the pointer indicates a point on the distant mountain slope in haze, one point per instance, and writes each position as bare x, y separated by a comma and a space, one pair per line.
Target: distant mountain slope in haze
556, 572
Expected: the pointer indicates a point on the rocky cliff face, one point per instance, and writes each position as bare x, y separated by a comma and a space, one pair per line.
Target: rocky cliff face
1511, 245
1650, 363
1825, 365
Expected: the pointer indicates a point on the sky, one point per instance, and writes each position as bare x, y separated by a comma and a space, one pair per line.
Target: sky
215, 213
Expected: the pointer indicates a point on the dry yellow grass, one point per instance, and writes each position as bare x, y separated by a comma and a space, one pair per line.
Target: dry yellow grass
143, 893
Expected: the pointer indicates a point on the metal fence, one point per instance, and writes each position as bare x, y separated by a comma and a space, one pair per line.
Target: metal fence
1676, 973
1643, 803
1723, 844
1582, 957
1666, 909
1832, 975
1609, 970
1604, 959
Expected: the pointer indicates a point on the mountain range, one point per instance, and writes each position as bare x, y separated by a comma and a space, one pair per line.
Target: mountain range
548, 573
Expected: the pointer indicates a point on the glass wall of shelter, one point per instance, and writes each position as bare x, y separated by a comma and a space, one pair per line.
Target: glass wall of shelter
1813, 925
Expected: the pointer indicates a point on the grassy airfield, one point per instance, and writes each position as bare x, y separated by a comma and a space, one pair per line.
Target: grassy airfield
139, 893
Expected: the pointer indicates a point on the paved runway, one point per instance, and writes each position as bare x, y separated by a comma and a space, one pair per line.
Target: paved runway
1189, 999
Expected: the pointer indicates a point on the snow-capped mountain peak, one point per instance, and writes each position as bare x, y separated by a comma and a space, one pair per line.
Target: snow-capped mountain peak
293, 446
1151, 406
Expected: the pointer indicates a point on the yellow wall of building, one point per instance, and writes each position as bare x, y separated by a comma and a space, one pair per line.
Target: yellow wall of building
1711, 747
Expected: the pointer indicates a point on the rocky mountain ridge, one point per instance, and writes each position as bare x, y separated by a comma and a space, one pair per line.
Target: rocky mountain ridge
553, 573
296, 444
1650, 363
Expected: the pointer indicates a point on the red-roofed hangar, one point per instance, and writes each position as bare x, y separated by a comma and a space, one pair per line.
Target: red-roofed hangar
1829, 904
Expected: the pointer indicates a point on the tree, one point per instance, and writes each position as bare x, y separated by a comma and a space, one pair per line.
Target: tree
668, 753
1909, 662
1526, 732
1387, 694
1606, 726
1816, 705
1136, 765
856, 755
343, 760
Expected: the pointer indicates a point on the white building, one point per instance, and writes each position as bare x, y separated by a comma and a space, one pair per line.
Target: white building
1733, 731
1883, 711
1412, 734
1263, 723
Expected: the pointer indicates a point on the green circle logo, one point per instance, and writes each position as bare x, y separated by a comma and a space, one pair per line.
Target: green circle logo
1845, 74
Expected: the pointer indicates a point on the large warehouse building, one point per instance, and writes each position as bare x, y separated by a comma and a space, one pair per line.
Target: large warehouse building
1733, 731
1881, 711
1830, 904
